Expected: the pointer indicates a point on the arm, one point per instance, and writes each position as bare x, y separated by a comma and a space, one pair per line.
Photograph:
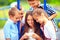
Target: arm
52, 16
51, 11
25, 36
7, 31
7, 38
36, 36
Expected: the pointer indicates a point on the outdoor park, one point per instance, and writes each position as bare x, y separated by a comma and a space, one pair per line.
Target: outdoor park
5, 5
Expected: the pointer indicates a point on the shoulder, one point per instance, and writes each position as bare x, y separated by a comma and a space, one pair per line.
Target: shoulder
49, 24
7, 24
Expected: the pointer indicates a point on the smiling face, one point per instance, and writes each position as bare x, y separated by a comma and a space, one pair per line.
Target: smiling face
15, 18
14, 14
21, 14
30, 20
38, 15
34, 3
39, 19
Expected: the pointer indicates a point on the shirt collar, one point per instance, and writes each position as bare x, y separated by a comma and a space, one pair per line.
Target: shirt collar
11, 21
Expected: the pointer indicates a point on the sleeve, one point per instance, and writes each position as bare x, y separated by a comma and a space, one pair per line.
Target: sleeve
7, 30
50, 10
51, 31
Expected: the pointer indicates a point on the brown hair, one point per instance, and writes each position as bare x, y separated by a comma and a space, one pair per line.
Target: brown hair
33, 0
26, 26
38, 12
12, 11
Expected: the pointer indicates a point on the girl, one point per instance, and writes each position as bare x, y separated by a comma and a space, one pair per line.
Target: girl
45, 24
31, 32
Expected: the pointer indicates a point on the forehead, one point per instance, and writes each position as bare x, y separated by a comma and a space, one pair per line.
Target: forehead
35, 16
29, 17
16, 13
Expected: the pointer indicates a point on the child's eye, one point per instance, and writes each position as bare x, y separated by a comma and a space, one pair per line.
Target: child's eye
21, 13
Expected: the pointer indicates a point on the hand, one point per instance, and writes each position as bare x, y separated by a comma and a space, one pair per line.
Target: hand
8, 39
36, 36
25, 36
49, 18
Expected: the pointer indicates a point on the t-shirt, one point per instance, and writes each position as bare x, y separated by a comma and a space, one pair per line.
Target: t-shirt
49, 30
11, 30
30, 33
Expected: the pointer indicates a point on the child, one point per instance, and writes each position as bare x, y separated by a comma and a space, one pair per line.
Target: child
10, 28
45, 24
31, 31
51, 13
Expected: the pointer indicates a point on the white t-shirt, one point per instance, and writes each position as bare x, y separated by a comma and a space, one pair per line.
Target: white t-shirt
49, 30
30, 33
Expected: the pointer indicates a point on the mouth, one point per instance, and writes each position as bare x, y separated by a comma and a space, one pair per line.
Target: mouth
21, 16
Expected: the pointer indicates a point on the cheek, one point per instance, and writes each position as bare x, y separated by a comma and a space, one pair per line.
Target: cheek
41, 21
28, 22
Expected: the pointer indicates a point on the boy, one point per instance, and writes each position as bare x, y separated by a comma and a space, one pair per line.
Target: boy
45, 24
51, 13
10, 28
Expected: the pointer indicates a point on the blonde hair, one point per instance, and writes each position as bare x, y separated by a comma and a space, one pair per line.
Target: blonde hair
38, 12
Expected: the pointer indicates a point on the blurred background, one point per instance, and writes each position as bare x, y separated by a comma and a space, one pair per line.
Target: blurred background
5, 5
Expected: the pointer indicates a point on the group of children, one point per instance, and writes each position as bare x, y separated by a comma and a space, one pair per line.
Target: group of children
38, 24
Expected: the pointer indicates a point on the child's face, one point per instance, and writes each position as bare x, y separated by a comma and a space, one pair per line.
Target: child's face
30, 20
34, 4
16, 17
21, 15
38, 18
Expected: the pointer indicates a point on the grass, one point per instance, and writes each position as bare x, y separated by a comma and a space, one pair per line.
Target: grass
2, 22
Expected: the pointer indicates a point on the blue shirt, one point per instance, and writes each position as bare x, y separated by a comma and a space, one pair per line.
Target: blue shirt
11, 30
50, 10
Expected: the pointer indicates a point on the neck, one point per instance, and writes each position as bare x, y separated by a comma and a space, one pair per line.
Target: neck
32, 27
45, 20
12, 20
